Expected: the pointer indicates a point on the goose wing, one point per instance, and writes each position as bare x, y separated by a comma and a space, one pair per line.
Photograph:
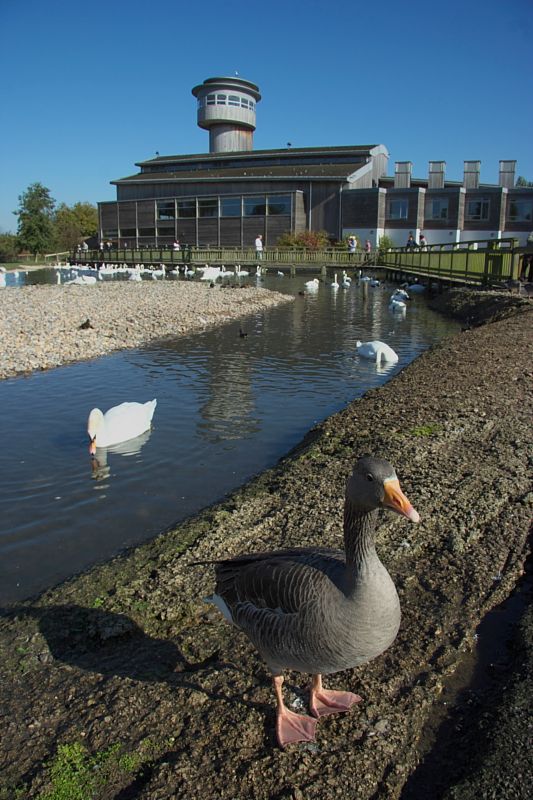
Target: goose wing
282, 580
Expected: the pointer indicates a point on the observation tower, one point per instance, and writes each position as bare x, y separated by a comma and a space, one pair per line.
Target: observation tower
226, 108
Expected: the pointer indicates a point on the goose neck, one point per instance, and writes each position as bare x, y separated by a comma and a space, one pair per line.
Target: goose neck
359, 538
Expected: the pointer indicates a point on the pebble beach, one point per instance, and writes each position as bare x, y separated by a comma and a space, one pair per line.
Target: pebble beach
40, 325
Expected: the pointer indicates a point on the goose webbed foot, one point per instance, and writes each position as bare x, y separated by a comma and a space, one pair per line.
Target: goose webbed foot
327, 701
291, 727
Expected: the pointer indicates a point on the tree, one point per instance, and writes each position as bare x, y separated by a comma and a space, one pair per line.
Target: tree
520, 181
35, 225
8, 247
74, 223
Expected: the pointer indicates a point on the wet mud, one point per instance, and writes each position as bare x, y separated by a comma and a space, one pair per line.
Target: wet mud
127, 659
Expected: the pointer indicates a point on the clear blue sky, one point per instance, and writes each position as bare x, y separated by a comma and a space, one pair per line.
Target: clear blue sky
90, 88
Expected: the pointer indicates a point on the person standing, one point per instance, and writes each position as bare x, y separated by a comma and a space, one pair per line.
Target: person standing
368, 250
410, 244
259, 246
352, 244
423, 242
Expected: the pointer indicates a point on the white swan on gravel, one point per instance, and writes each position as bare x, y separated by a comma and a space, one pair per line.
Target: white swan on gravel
118, 424
377, 351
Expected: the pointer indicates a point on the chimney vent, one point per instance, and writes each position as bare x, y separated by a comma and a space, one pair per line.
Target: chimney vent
436, 174
507, 172
471, 174
402, 174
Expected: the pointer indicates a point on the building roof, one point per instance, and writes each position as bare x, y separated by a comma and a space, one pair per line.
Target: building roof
286, 152
287, 172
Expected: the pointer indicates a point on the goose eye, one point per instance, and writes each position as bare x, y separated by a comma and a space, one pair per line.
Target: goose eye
369, 476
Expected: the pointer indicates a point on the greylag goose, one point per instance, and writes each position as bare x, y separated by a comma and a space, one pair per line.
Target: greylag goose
319, 610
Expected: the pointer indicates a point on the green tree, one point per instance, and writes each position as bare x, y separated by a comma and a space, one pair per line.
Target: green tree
8, 247
74, 223
521, 181
35, 224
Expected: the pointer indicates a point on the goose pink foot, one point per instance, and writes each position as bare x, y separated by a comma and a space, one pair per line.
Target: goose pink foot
292, 727
324, 701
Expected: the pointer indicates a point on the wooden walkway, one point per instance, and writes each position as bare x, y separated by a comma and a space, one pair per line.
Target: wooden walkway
481, 263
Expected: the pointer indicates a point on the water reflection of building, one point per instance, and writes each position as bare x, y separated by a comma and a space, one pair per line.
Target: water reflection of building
229, 411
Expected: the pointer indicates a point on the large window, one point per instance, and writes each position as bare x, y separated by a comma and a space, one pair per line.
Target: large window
208, 207
437, 208
230, 207
477, 210
279, 205
130, 233
398, 209
520, 210
166, 210
254, 206
186, 208
147, 232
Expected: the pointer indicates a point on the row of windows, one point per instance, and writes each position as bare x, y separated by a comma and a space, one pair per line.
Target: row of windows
261, 205
226, 99
475, 210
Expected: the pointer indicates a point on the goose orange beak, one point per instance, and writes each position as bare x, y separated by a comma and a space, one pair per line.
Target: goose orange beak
397, 501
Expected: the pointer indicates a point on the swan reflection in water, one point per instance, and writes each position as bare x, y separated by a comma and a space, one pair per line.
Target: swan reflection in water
101, 469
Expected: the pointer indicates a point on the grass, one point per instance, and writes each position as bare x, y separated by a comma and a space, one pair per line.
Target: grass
426, 430
76, 774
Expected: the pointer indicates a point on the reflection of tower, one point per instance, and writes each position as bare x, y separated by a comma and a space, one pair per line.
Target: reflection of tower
226, 108
228, 412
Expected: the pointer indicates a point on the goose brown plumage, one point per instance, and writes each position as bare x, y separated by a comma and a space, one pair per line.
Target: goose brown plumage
320, 610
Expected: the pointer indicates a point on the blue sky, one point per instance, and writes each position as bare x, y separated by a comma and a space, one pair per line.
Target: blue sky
88, 89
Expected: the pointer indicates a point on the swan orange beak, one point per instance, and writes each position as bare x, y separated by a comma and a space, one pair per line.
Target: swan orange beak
92, 446
397, 501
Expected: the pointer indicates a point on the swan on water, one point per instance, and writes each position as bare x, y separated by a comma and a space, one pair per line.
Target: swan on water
377, 351
118, 424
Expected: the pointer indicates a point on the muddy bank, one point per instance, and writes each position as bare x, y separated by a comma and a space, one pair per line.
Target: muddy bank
46, 326
128, 657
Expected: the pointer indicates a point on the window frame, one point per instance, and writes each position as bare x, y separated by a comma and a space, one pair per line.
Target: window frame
484, 203
403, 202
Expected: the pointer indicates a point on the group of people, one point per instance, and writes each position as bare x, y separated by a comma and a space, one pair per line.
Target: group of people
352, 246
411, 242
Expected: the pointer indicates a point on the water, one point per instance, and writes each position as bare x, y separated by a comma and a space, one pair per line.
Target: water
227, 408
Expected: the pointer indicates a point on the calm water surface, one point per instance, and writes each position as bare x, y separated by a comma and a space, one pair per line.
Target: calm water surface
227, 408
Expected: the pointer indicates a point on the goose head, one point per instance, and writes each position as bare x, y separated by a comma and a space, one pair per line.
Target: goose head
373, 485
94, 424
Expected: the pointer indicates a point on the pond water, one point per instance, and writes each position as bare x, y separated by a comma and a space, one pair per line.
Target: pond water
227, 408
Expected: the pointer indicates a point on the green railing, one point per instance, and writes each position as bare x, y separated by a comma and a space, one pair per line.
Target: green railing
216, 256
482, 262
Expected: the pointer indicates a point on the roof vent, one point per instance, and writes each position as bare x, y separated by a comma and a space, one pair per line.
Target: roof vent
507, 172
471, 174
437, 170
402, 174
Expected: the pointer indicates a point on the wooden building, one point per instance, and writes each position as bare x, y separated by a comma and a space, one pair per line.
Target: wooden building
233, 193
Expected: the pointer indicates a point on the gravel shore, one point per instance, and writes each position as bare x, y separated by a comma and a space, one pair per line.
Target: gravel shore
155, 697
40, 325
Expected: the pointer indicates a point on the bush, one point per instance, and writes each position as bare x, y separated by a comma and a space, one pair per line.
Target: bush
305, 240
385, 243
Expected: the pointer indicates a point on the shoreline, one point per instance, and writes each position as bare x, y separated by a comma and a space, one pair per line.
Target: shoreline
122, 315
127, 652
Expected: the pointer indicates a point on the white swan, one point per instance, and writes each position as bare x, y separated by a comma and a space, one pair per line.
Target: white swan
334, 283
120, 423
314, 284
400, 294
82, 280
240, 273
377, 351
397, 305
